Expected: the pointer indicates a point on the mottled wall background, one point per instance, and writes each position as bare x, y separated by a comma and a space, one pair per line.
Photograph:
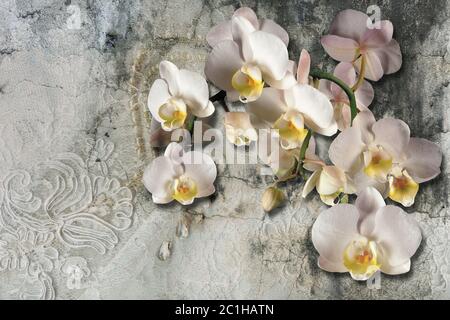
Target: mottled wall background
75, 222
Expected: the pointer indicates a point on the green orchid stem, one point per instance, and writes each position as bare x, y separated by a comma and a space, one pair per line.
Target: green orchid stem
303, 149
319, 74
190, 124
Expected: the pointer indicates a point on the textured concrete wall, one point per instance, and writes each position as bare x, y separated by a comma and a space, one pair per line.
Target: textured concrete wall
74, 139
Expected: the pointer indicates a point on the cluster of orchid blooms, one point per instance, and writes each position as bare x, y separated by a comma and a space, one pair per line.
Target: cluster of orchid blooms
373, 159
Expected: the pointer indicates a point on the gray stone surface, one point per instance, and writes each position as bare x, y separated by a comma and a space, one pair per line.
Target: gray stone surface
75, 221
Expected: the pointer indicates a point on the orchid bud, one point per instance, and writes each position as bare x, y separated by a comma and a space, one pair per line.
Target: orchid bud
272, 198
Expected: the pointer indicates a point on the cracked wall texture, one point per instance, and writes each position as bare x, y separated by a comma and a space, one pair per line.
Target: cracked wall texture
75, 221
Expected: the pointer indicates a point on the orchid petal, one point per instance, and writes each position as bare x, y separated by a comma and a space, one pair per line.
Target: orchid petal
346, 149
395, 270
369, 201
390, 57
397, 233
340, 49
350, 24
329, 266
248, 14
157, 176
304, 65
333, 230
159, 94
346, 72
423, 159
378, 37
310, 184
374, 69
272, 27
240, 28
314, 105
201, 169
332, 180
364, 121
219, 33
272, 59
194, 91
170, 73
364, 95
270, 105
392, 135
222, 64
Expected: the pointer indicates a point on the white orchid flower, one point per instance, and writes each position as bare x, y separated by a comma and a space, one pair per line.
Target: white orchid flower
366, 237
177, 92
330, 182
243, 65
239, 129
180, 176
223, 31
382, 154
292, 111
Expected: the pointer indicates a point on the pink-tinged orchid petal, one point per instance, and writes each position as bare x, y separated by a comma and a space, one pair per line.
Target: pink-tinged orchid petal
390, 57
332, 179
170, 73
273, 59
346, 149
342, 114
159, 94
240, 28
364, 122
313, 104
333, 230
195, 93
364, 95
304, 65
218, 33
397, 234
202, 170
269, 107
346, 72
157, 176
374, 69
340, 49
362, 181
350, 24
374, 38
288, 81
423, 160
248, 14
329, 266
222, 64
369, 201
312, 162
272, 27
392, 135
174, 152
395, 270
310, 184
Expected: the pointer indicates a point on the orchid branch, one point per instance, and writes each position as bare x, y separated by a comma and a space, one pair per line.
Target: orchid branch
351, 96
361, 75
303, 149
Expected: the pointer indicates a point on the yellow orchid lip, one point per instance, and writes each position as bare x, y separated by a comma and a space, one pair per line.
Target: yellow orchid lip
361, 259
248, 82
173, 113
403, 189
291, 130
379, 163
184, 189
